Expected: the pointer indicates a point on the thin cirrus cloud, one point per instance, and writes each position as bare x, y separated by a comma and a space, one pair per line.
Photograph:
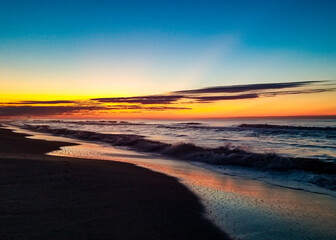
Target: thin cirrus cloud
15, 111
222, 93
247, 88
171, 99
163, 102
209, 99
40, 102
157, 99
43, 110
273, 94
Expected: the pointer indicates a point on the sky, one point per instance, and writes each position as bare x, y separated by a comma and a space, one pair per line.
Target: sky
158, 59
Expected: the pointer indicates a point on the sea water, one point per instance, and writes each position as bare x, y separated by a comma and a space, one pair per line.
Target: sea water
248, 203
297, 153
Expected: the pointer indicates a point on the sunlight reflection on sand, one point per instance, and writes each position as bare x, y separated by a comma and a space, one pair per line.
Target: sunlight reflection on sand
245, 208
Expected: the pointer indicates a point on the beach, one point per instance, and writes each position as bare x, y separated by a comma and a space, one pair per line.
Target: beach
49, 197
243, 203
170, 120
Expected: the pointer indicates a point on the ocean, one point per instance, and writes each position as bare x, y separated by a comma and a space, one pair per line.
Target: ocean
292, 152
258, 179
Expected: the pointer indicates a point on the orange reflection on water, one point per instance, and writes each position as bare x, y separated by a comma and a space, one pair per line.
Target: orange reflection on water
286, 202
243, 207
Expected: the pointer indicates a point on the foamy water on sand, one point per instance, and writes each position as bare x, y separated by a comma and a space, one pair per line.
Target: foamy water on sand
308, 138
296, 153
245, 208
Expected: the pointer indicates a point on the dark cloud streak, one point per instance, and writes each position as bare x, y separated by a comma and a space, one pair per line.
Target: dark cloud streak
42, 110
308, 91
41, 102
14, 111
163, 102
157, 99
247, 88
209, 99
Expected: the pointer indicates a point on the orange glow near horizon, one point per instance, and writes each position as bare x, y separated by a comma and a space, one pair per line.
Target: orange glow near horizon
318, 104
120, 99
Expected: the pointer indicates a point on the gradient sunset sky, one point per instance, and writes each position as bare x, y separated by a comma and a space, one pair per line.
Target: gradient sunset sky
167, 59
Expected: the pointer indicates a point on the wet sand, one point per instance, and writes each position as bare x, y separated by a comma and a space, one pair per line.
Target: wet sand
247, 209
47, 197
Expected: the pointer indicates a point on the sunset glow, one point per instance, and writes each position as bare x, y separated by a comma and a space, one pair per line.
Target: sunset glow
176, 119
46, 58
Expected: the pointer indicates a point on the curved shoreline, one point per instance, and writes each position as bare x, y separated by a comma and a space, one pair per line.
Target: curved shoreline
57, 197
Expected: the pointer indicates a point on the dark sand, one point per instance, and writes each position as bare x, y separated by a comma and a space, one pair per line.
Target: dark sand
44, 197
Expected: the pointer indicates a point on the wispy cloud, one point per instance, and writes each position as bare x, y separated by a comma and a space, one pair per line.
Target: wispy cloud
162, 102
11, 111
157, 99
273, 94
40, 102
209, 99
247, 88
222, 93
43, 110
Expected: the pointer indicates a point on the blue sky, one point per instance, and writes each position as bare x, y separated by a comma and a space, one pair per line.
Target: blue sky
304, 25
200, 43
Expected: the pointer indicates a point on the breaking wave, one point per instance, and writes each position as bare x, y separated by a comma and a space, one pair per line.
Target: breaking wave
88, 122
271, 126
225, 155
256, 128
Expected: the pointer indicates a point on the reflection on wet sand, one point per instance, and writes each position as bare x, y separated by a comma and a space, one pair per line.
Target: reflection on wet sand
245, 208
248, 209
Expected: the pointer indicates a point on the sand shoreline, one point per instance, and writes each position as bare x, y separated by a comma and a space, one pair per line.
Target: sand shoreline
46, 197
